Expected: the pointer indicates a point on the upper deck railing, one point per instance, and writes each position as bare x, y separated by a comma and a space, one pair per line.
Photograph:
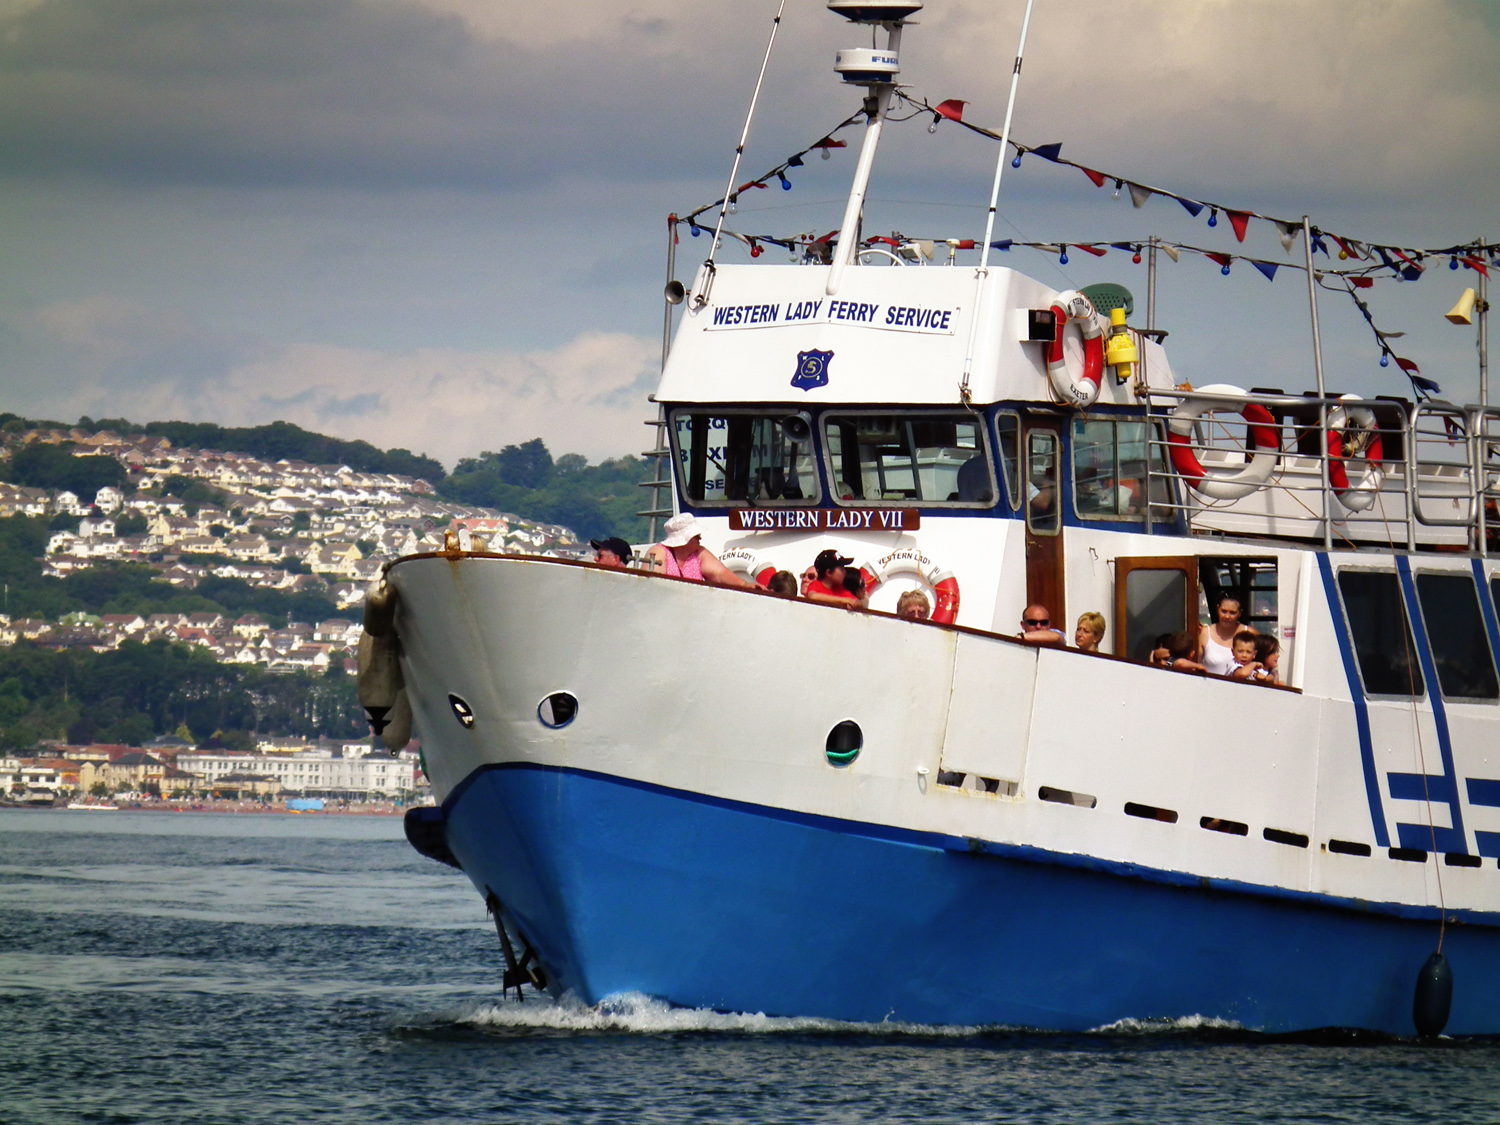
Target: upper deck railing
1412, 474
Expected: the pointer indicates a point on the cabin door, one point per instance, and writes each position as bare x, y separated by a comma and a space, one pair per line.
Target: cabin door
1044, 541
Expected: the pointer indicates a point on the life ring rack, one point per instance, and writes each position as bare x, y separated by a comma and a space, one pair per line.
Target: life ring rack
1076, 384
742, 560
1216, 483
910, 560
1354, 432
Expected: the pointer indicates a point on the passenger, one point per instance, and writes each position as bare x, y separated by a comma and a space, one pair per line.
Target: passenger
783, 584
1160, 654
913, 606
681, 554
829, 587
809, 576
1214, 640
1246, 667
1090, 631
1182, 648
611, 551
1036, 627
1268, 655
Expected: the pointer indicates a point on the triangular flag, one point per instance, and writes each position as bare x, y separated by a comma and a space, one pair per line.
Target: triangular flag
1003, 244
1193, 208
1094, 250
1097, 177
1222, 259
795, 162
1476, 264
1389, 335
1172, 251
1239, 221
1139, 195
1267, 268
1406, 365
1362, 282
1423, 382
1123, 246
1048, 152
952, 109
1288, 233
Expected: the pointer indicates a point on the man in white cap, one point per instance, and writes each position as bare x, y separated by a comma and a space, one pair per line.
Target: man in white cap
681, 554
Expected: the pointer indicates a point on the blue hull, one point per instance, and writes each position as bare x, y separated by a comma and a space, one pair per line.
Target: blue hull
624, 887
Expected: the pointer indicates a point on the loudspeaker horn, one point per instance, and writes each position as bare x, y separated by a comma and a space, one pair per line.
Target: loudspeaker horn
675, 293
1463, 312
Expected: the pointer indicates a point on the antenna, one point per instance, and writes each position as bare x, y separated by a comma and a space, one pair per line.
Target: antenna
703, 284
989, 221
876, 70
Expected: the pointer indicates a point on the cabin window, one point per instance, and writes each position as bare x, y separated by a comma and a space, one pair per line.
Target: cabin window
1008, 427
1109, 469
1383, 645
744, 457
936, 460
1455, 631
1153, 597
1041, 482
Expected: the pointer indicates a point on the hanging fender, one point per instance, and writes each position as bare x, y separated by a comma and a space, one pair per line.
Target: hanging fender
742, 560
1217, 483
909, 560
1353, 432
1078, 384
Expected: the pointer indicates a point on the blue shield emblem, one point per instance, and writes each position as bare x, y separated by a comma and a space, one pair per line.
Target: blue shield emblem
812, 370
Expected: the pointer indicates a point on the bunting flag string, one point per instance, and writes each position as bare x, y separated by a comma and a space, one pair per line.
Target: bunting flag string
1422, 386
1477, 255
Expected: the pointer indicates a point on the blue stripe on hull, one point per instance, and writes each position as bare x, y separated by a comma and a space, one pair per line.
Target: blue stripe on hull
705, 903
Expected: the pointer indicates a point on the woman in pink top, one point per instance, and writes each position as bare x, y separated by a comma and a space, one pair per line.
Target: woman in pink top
682, 555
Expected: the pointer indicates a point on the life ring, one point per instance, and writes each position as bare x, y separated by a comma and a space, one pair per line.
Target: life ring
1364, 443
909, 560
745, 561
1222, 484
1071, 309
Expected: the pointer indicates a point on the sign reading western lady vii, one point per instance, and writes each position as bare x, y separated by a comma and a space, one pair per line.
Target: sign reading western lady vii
824, 519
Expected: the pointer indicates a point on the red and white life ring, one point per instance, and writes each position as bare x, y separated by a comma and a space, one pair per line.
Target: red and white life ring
909, 560
1360, 495
742, 560
1216, 483
1077, 382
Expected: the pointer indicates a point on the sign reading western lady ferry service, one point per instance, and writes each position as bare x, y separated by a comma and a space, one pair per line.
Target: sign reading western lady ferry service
829, 310
824, 519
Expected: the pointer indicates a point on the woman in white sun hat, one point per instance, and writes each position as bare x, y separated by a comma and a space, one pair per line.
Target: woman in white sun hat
681, 554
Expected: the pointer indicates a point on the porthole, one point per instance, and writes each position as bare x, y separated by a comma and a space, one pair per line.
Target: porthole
844, 743
461, 711
557, 710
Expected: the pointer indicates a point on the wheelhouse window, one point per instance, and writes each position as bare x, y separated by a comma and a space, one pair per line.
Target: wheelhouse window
1042, 502
936, 460
1109, 469
1383, 645
745, 457
1008, 427
1455, 630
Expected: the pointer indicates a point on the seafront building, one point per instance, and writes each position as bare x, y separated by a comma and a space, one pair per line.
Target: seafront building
347, 771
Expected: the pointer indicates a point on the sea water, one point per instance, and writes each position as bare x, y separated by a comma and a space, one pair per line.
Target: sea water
279, 968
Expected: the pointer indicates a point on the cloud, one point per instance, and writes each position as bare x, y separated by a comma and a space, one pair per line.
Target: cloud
585, 396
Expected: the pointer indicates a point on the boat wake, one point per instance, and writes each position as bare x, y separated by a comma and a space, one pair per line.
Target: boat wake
637, 1014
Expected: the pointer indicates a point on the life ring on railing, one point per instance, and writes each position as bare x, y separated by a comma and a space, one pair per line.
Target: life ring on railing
909, 560
745, 561
1364, 443
1220, 484
1078, 385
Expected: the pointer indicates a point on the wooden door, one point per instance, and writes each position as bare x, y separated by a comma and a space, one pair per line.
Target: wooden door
1153, 596
1044, 541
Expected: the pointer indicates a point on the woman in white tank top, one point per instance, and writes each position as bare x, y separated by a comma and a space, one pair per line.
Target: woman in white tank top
1215, 640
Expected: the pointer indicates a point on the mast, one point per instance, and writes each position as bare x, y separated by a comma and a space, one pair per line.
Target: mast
876, 70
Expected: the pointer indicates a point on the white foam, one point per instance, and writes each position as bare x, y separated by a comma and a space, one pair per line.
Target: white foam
634, 1013
1158, 1026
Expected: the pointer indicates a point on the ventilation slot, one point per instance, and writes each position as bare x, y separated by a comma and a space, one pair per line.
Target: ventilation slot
1457, 859
1150, 812
1410, 855
1067, 797
1348, 847
1280, 836
994, 786
1231, 827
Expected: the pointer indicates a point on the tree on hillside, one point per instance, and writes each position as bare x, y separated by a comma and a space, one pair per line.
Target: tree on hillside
40, 465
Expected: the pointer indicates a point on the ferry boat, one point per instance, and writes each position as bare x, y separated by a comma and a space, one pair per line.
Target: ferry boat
733, 800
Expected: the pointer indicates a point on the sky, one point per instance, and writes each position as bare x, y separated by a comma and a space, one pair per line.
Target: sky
440, 224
